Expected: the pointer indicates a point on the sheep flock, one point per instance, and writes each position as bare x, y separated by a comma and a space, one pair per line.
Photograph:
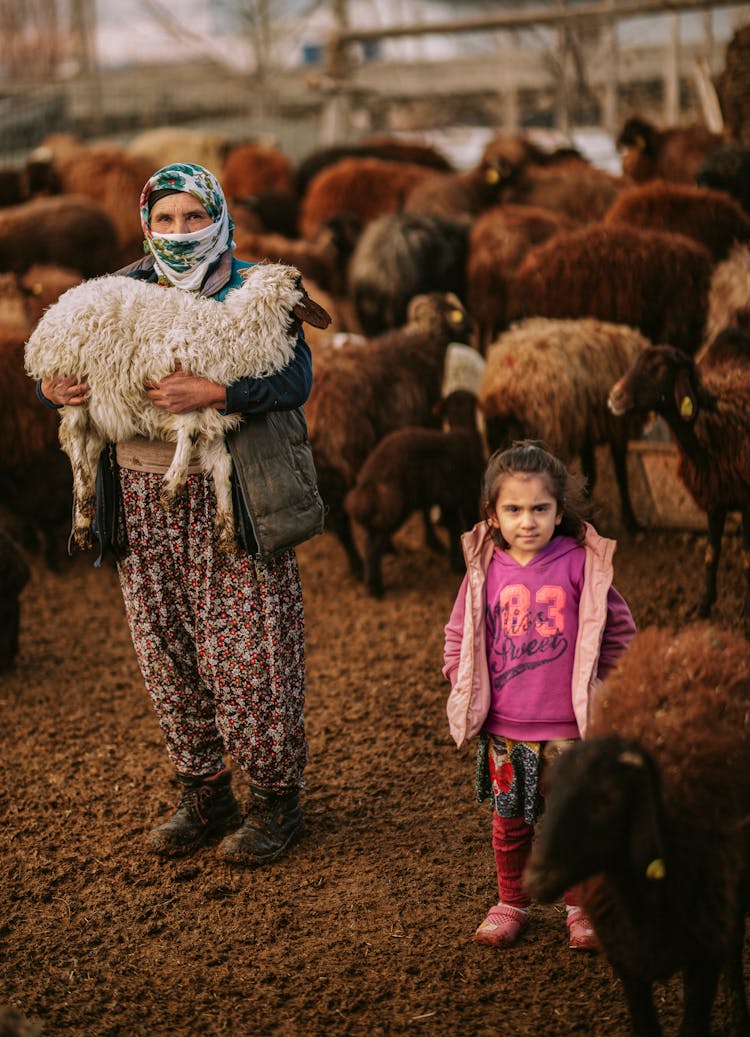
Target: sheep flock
590, 302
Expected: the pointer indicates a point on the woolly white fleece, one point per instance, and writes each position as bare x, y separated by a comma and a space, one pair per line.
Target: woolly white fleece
122, 333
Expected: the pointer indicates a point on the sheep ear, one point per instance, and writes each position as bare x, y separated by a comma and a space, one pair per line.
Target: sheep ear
684, 396
646, 844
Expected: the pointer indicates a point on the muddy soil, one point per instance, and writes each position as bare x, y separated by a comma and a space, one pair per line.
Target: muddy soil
366, 927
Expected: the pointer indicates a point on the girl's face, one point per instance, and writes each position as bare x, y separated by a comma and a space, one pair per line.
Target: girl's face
526, 514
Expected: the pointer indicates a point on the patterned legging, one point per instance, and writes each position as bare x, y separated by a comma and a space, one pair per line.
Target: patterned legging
219, 638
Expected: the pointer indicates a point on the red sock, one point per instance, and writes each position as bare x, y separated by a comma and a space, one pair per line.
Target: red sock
511, 841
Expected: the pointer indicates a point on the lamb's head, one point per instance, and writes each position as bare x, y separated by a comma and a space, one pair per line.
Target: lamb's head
441, 314
280, 296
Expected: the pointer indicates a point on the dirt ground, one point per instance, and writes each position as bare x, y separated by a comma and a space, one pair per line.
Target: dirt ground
366, 927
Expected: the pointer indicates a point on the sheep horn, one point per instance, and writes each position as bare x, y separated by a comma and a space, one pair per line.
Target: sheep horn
311, 312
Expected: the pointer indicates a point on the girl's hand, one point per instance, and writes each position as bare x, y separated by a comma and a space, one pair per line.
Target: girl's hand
180, 392
67, 392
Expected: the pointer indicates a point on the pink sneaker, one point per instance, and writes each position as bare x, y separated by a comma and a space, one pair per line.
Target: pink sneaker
582, 935
503, 925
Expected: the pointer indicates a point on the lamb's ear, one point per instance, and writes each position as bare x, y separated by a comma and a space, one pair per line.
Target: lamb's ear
684, 396
311, 312
646, 844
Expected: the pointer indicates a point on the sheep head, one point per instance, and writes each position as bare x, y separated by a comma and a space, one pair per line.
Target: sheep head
286, 283
662, 379
603, 815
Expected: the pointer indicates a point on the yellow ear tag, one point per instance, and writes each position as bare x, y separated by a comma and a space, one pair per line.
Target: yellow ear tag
491, 175
656, 870
456, 317
686, 408
640, 143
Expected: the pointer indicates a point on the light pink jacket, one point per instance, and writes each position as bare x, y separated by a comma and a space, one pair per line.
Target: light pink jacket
605, 626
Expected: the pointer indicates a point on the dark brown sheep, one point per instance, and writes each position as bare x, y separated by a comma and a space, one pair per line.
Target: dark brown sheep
363, 391
708, 217
361, 187
416, 469
255, 167
709, 413
68, 231
400, 255
728, 169
391, 149
649, 812
112, 179
654, 281
675, 153
498, 241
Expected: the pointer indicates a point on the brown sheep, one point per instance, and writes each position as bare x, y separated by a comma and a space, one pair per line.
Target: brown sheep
65, 231
649, 812
708, 410
26, 427
363, 391
361, 187
654, 281
549, 380
24, 299
416, 469
112, 179
708, 217
324, 261
513, 154
578, 191
454, 195
498, 240
391, 149
675, 153
255, 167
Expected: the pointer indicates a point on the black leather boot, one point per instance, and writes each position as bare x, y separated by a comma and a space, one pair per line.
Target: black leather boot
272, 823
207, 807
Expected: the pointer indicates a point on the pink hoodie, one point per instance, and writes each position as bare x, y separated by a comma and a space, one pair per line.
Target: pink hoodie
605, 626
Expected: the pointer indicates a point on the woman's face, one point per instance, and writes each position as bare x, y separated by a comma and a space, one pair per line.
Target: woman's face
178, 214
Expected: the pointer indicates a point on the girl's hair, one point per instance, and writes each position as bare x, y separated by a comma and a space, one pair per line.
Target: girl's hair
531, 457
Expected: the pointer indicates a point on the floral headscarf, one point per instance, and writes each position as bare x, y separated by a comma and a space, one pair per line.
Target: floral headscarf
183, 259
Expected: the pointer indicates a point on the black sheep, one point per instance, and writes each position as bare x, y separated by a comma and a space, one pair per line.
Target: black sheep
649, 813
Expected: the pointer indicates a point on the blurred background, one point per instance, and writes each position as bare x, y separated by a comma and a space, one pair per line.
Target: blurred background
304, 74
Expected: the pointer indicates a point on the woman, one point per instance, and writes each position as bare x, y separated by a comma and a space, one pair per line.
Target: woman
219, 638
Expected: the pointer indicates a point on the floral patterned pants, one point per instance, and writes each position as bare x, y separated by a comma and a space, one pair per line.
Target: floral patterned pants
219, 638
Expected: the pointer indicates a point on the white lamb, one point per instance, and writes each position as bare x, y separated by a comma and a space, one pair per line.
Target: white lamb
122, 333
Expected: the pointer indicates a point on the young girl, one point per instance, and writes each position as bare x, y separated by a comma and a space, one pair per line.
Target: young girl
535, 625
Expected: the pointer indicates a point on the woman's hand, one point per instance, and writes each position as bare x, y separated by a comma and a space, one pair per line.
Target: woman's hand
180, 392
65, 392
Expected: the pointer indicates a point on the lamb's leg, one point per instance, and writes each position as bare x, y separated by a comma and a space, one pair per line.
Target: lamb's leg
173, 483
700, 980
588, 466
83, 445
716, 520
452, 523
217, 460
375, 543
619, 452
431, 539
734, 978
643, 1018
